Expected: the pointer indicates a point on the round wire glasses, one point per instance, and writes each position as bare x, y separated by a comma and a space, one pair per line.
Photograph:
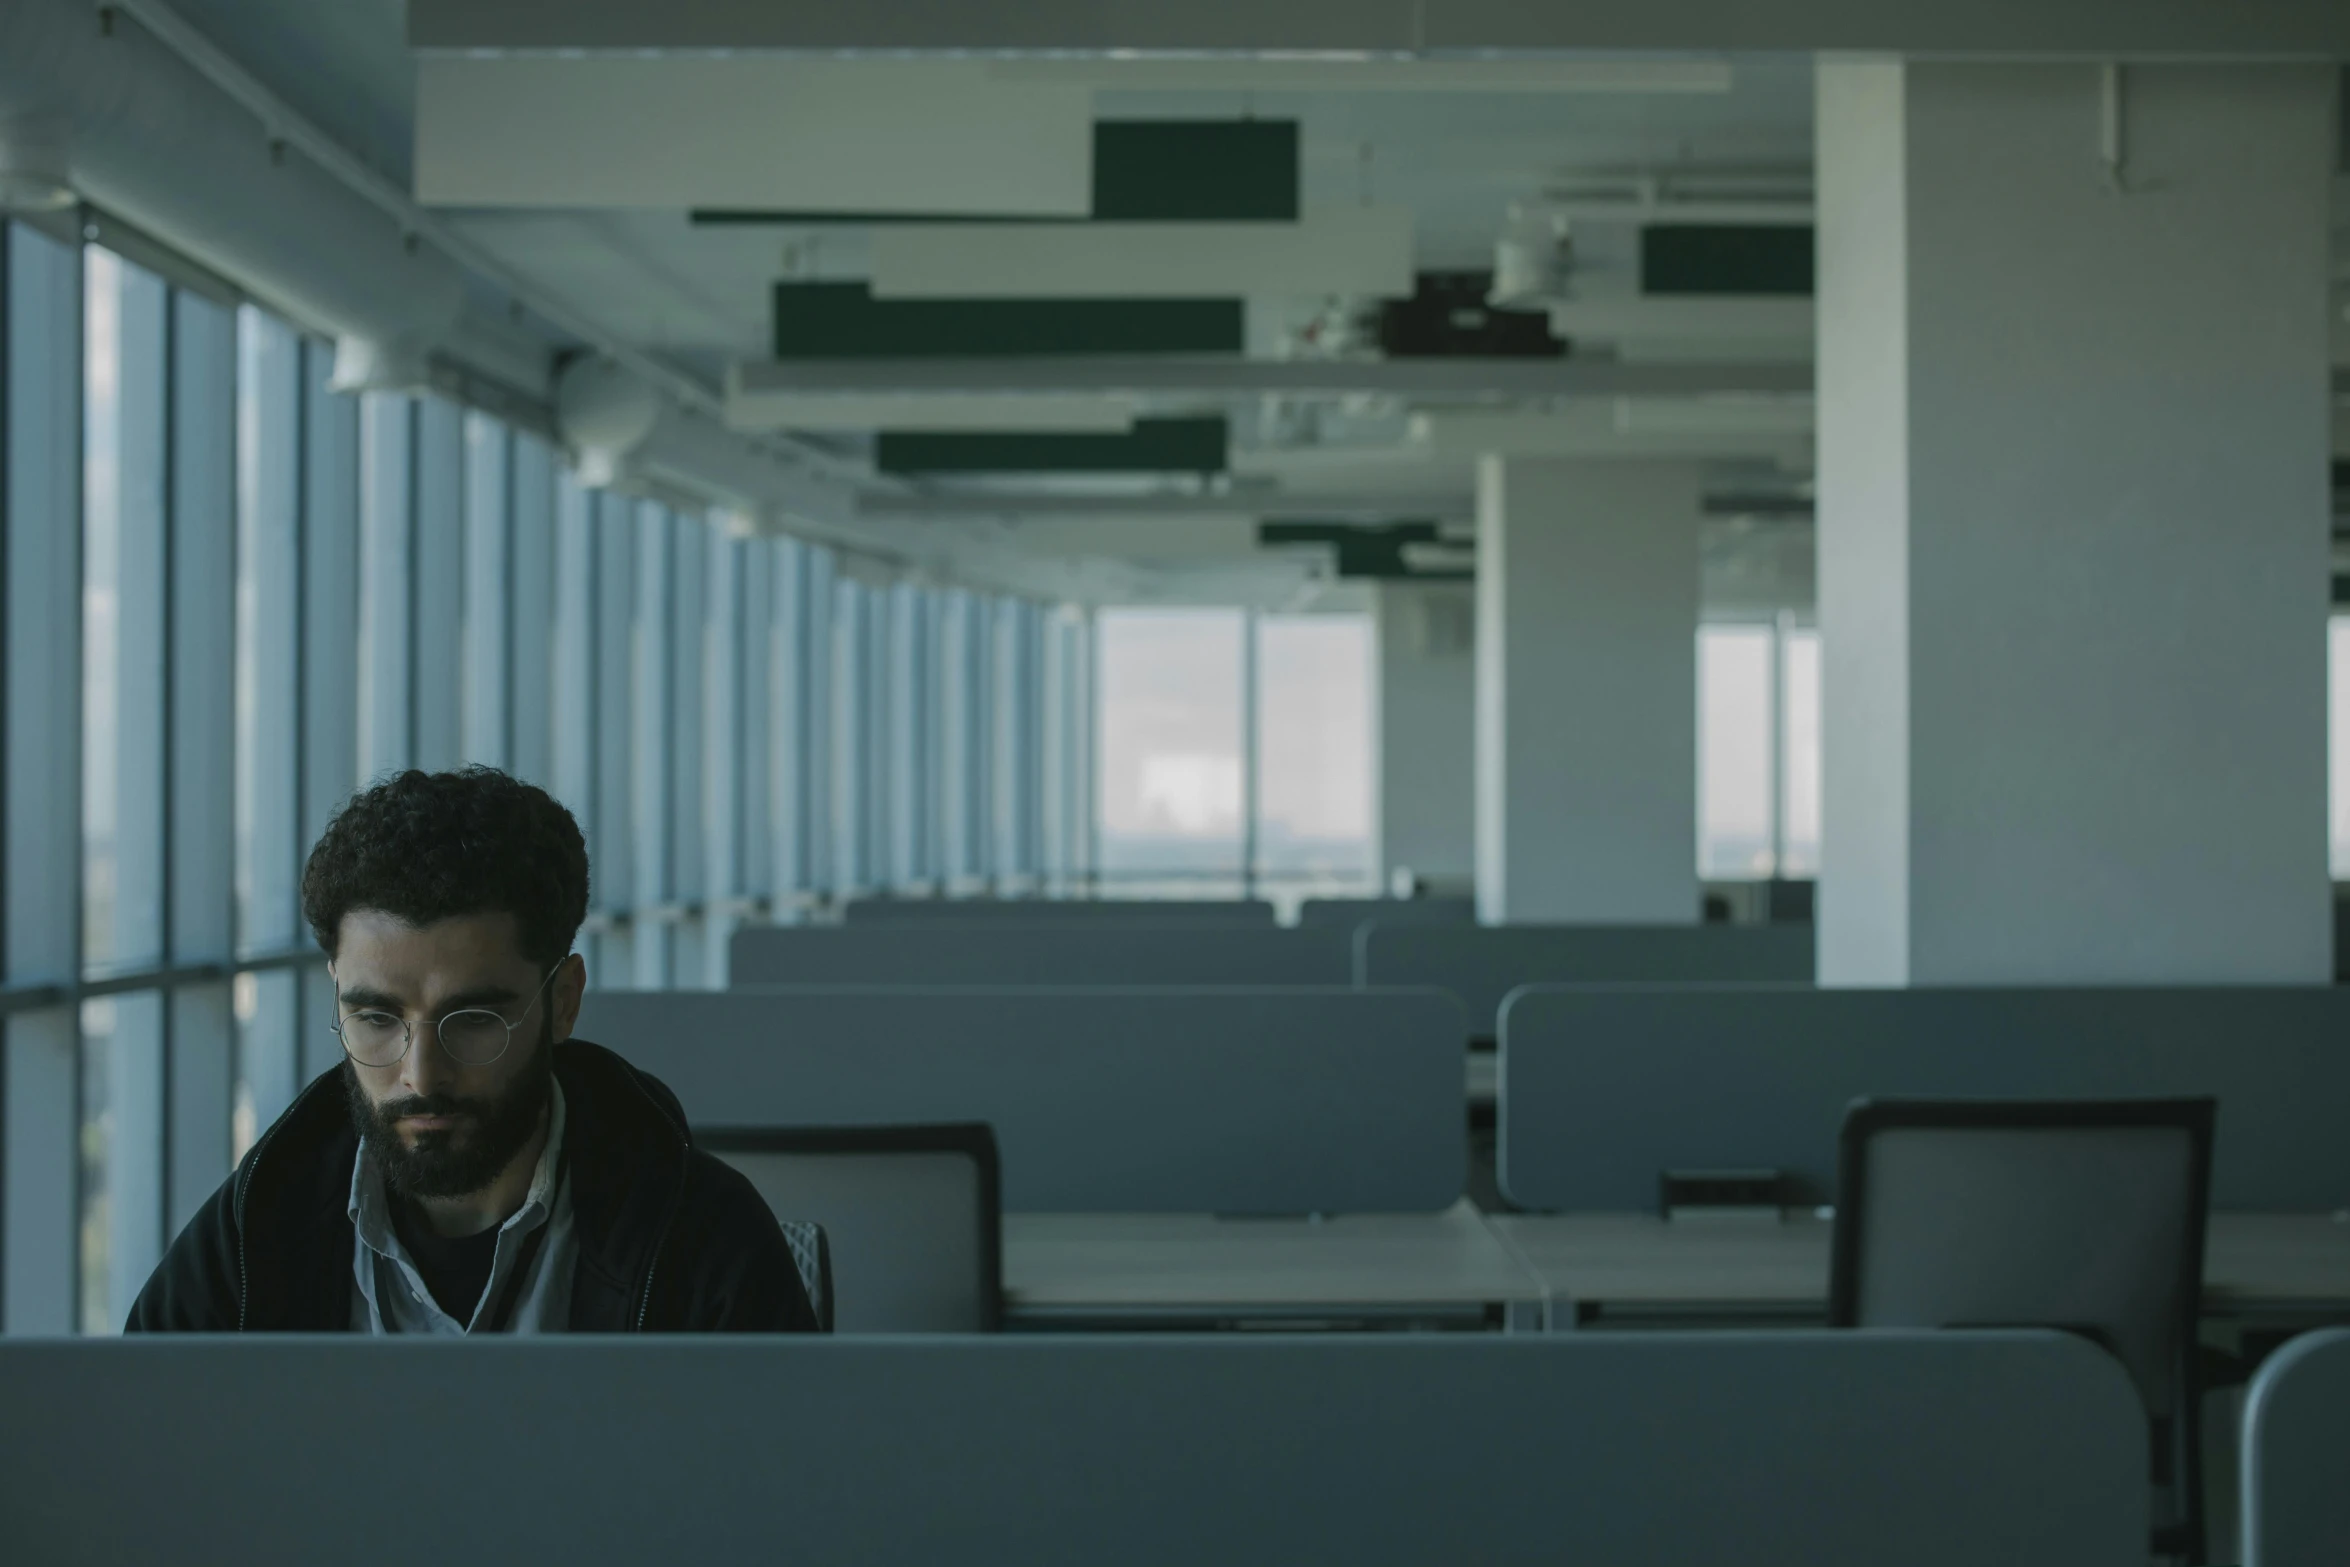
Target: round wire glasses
470, 1036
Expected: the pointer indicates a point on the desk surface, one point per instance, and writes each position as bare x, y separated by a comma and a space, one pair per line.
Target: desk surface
2253, 1262
1064, 1264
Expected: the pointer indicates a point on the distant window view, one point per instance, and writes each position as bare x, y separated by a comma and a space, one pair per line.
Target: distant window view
1314, 746
1758, 751
1170, 695
1175, 791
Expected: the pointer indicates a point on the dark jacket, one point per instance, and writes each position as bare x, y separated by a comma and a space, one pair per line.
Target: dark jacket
671, 1239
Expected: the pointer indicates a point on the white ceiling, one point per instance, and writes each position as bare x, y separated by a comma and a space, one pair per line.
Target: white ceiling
1457, 158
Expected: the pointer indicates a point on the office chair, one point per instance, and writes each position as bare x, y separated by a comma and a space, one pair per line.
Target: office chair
2082, 1215
812, 1255
911, 1218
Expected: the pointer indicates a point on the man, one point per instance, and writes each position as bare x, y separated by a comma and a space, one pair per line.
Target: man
470, 1167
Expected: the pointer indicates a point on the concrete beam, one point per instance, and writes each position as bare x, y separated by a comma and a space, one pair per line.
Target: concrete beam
1169, 375
953, 505
2085, 28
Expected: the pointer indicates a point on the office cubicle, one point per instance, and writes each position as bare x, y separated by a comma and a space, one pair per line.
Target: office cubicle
1167, 1100
987, 953
1932, 1450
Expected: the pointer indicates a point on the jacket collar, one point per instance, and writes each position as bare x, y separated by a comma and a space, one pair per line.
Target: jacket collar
626, 1141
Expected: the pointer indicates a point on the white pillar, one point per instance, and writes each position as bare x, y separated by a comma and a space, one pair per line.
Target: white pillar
2073, 523
1427, 736
1586, 728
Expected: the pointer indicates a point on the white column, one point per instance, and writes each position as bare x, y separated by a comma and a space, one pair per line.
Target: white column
1427, 734
1586, 668
2073, 523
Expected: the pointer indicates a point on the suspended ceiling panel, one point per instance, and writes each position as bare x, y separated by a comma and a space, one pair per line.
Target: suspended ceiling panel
921, 136
1338, 250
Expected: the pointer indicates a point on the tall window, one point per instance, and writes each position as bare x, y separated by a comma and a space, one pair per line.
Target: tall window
1189, 787
1314, 762
1171, 742
1758, 751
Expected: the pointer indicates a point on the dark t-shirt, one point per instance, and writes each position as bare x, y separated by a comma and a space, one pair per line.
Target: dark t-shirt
456, 1268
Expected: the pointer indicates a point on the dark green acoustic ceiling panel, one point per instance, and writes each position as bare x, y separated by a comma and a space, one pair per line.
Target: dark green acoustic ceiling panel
1726, 258
845, 321
1152, 446
1195, 171
1373, 551
1144, 171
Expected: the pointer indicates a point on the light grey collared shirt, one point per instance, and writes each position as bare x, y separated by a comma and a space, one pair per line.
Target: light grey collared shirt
388, 1294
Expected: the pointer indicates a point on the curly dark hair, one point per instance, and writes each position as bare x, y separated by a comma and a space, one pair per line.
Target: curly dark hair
423, 847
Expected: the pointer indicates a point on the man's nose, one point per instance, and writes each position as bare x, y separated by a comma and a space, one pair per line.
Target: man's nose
426, 1066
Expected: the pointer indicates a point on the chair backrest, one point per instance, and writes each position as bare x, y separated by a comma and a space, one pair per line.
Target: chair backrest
1079, 953
1287, 1100
913, 1215
2081, 1215
2296, 1503
811, 1254
1254, 912
1482, 964
1147, 1450
1602, 1087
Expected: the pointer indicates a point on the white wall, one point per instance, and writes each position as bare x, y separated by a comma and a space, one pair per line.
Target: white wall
1427, 733
2073, 525
1586, 782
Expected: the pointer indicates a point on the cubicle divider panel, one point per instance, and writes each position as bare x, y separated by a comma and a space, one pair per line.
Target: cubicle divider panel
1482, 964
1103, 1100
1253, 913
1352, 913
986, 953
2296, 1475
1849, 1450
1602, 1087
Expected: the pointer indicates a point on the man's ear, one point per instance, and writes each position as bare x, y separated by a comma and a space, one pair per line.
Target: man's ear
563, 995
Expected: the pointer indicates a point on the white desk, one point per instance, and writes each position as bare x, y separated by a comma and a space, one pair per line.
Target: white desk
1637, 1265
1153, 1269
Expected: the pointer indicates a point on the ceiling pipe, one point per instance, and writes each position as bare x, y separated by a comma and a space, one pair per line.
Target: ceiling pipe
138, 132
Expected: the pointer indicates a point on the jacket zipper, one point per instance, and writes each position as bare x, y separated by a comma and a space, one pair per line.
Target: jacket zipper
244, 1188
685, 1146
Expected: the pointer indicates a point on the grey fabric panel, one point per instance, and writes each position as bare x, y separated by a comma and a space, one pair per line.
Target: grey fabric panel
1072, 954
2296, 1481
1352, 912
1255, 912
1186, 1101
1602, 1087
1483, 964
904, 1230
1829, 1450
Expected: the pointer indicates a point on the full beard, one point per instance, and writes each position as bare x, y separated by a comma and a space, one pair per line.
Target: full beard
466, 1158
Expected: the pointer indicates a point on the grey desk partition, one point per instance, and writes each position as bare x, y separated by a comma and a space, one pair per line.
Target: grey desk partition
1070, 954
1481, 964
1825, 1450
1603, 1086
1351, 912
1188, 1101
2296, 1476
1187, 912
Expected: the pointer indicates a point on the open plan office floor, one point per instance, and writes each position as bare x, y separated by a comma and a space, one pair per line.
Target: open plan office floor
1463, 1268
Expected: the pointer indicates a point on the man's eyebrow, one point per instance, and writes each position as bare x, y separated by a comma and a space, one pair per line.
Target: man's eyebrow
480, 995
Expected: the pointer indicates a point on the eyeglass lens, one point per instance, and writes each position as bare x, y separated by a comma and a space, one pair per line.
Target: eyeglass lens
473, 1037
